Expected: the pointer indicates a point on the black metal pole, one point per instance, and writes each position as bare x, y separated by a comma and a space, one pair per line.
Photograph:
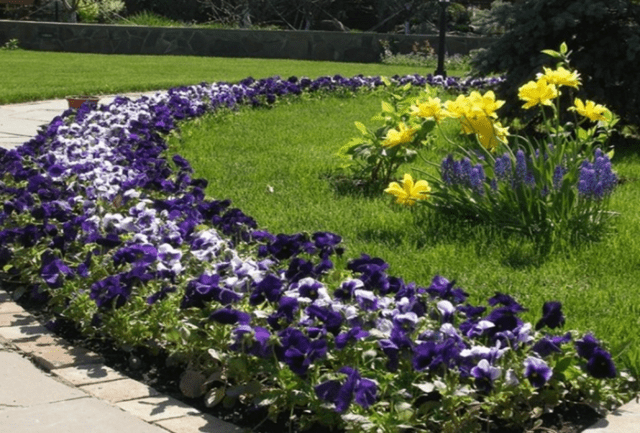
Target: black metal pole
441, 45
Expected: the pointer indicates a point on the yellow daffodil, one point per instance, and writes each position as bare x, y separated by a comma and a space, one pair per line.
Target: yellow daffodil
431, 109
537, 92
402, 135
561, 77
589, 109
409, 192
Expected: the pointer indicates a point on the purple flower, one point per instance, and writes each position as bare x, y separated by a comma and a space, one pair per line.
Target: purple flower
545, 347
485, 374
600, 364
110, 292
53, 270
161, 294
507, 301
444, 289
253, 340
332, 320
284, 315
551, 315
353, 334
229, 316
502, 168
587, 346
537, 371
558, 175
364, 390
298, 351
269, 288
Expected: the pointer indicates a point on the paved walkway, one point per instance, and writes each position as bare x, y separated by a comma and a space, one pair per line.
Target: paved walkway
48, 386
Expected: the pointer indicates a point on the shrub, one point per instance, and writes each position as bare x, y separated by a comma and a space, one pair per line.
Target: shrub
605, 37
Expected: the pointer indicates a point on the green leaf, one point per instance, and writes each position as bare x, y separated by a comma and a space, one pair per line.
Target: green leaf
563, 48
425, 387
386, 81
552, 53
213, 397
363, 129
387, 108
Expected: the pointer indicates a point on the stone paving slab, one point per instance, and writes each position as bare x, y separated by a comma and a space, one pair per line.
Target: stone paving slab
157, 408
24, 385
52, 353
204, 423
23, 332
10, 307
85, 415
86, 374
626, 419
16, 319
120, 390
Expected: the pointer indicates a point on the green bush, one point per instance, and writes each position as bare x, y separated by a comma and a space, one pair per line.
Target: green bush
605, 37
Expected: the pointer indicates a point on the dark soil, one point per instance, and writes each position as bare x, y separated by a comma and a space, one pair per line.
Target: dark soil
154, 370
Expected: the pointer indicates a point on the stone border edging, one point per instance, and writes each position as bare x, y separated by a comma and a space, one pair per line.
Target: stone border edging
82, 369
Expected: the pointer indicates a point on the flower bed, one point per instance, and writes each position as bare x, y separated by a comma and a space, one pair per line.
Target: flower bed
113, 233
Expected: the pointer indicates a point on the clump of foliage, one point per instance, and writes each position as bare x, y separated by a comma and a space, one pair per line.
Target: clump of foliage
605, 37
10, 45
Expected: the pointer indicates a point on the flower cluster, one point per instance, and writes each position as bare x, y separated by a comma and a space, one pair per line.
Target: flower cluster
546, 188
99, 220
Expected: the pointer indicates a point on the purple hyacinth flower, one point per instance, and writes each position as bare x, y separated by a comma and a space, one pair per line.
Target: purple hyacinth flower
537, 371
551, 315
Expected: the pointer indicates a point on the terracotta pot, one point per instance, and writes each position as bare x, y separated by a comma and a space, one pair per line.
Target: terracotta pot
17, 2
77, 101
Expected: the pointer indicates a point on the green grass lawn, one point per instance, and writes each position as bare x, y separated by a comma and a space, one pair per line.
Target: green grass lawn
37, 75
274, 165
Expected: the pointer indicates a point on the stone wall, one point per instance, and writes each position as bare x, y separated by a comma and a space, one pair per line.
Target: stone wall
302, 45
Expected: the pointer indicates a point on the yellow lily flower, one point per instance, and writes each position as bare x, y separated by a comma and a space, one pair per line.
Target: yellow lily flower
409, 192
537, 92
490, 140
431, 109
561, 77
486, 103
589, 109
402, 135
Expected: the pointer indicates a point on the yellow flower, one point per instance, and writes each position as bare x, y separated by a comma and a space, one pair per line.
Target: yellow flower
561, 77
432, 108
457, 108
491, 139
537, 92
403, 134
486, 103
589, 109
408, 193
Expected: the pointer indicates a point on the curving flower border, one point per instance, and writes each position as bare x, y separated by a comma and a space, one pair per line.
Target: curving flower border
96, 217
